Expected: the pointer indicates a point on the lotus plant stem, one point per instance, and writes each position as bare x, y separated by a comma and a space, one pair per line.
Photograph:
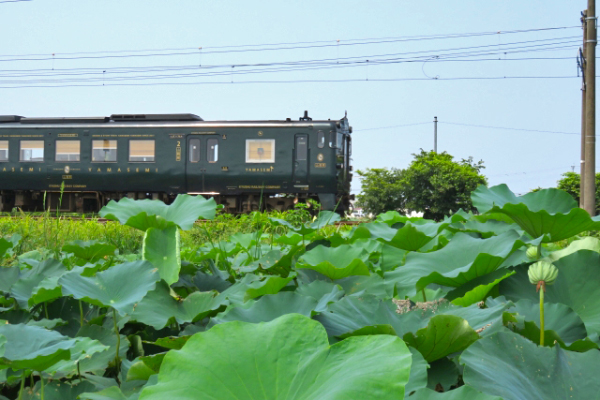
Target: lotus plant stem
542, 314
22, 386
117, 359
80, 314
46, 310
424, 296
42, 382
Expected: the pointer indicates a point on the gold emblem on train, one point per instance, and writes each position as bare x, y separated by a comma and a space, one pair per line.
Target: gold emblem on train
320, 157
67, 169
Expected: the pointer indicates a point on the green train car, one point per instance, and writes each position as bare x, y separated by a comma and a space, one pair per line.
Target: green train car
244, 165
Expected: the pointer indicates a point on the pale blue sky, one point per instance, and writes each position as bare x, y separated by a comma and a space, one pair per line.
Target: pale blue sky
522, 159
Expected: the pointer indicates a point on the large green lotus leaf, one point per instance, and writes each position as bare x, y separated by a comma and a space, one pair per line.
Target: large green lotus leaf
91, 251
324, 292
558, 317
143, 368
266, 285
8, 277
587, 243
373, 284
445, 334
478, 289
352, 313
462, 260
531, 331
335, 263
577, 286
461, 393
550, 212
144, 214
288, 358
58, 390
46, 291
83, 350
25, 287
507, 365
4, 246
412, 237
268, 308
418, 373
325, 218
32, 347
443, 374
158, 307
99, 361
121, 287
161, 248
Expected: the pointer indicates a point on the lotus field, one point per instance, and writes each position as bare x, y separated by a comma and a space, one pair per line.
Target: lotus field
504, 304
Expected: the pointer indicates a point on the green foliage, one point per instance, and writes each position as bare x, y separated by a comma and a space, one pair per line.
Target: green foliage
433, 183
571, 183
381, 190
437, 185
284, 305
288, 358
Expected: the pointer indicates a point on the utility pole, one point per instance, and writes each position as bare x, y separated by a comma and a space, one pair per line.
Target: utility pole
435, 134
581, 65
590, 111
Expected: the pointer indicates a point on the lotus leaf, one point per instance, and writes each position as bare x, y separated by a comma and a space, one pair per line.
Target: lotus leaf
158, 307
462, 393
266, 285
288, 358
33, 348
442, 373
335, 263
324, 292
144, 214
418, 373
161, 248
550, 212
91, 251
121, 287
577, 286
445, 334
268, 308
507, 365
462, 260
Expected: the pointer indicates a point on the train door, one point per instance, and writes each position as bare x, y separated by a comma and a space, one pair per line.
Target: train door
202, 164
300, 159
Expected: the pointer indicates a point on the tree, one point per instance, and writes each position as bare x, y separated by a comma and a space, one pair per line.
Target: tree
570, 183
437, 185
381, 190
434, 184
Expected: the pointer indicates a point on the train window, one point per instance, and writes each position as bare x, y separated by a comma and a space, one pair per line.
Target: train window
212, 150
141, 151
104, 150
67, 150
332, 139
32, 151
260, 150
3, 150
194, 150
321, 139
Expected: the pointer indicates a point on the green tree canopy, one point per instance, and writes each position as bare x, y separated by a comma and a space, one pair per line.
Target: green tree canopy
433, 183
570, 183
381, 190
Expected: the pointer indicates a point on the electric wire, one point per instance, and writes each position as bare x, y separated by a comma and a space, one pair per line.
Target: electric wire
345, 42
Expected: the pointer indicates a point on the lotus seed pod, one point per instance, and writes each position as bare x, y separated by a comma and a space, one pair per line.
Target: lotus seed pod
532, 253
542, 271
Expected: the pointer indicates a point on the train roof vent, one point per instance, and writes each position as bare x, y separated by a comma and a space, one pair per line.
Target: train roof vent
155, 117
65, 120
10, 118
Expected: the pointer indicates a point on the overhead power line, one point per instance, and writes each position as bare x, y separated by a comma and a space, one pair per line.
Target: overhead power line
509, 129
297, 45
100, 84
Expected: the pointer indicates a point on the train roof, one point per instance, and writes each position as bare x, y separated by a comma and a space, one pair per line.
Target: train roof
158, 120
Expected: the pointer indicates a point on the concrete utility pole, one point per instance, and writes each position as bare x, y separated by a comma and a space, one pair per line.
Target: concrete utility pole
435, 134
581, 63
590, 111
